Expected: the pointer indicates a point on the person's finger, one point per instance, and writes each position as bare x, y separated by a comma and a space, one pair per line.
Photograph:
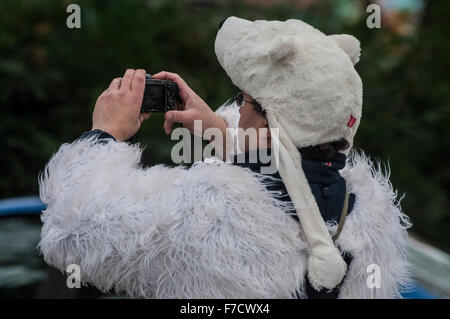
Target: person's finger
184, 89
174, 117
168, 127
138, 83
115, 84
177, 116
127, 79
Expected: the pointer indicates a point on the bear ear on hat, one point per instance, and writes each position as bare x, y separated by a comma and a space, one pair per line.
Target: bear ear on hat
283, 49
349, 44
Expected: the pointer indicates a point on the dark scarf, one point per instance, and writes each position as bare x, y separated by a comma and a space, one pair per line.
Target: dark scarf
327, 185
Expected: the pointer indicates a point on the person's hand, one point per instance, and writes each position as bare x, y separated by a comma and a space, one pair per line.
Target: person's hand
192, 108
118, 109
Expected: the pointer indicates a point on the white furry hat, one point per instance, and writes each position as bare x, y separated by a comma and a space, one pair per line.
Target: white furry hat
306, 83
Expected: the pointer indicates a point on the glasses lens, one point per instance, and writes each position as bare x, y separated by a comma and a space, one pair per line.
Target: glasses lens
240, 99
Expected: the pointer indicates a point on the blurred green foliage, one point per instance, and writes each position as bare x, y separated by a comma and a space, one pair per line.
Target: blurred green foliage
50, 77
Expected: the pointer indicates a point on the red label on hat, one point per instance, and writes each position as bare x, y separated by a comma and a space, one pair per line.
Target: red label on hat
351, 121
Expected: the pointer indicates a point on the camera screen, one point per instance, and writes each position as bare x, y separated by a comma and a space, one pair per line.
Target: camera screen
154, 97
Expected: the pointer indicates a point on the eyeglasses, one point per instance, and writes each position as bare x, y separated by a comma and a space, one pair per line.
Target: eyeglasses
240, 100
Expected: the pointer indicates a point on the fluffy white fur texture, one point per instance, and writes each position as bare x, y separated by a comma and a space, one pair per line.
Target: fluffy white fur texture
375, 232
211, 231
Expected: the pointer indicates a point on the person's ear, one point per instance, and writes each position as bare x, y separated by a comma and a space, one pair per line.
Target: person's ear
284, 48
349, 44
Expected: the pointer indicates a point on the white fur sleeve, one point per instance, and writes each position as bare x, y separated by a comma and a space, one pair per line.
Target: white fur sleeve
375, 233
107, 215
211, 231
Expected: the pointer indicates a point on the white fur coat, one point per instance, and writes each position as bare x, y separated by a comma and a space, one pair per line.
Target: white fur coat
211, 231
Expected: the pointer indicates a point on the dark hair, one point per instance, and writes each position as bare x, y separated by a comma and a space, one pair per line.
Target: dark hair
324, 152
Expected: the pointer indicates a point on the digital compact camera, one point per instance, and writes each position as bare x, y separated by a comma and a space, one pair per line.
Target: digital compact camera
160, 95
